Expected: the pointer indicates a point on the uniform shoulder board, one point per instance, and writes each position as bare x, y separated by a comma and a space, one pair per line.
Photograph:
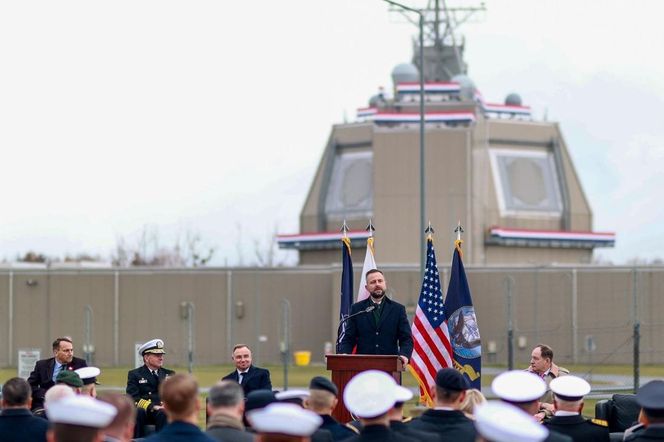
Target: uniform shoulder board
352, 428
405, 420
600, 422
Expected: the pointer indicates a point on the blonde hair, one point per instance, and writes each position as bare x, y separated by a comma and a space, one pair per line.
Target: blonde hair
473, 398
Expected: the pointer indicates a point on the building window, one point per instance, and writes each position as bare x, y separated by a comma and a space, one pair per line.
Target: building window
350, 192
526, 182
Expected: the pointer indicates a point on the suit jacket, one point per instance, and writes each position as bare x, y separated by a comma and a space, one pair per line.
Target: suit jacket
390, 337
180, 431
41, 378
255, 378
452, 425
379, 433
18, 424
141, 384
579, 428
651, 432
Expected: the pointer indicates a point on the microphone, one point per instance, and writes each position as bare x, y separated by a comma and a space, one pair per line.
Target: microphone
366, 310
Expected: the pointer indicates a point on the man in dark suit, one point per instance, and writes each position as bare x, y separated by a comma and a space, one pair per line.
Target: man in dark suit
250, 377
43, 376
143, 386
16, 421
384, 330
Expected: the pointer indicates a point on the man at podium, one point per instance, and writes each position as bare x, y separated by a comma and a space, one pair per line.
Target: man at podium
378, 325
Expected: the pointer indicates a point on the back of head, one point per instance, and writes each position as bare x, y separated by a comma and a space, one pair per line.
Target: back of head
450, 385
16, 392
474, 397
126, 415
179, 394
320, 401
226, 394
56, 393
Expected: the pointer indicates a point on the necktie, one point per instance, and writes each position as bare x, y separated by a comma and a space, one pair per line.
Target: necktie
240, 376
156, 376
56, 370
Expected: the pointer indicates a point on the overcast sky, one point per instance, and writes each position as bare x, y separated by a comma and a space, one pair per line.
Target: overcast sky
209, 115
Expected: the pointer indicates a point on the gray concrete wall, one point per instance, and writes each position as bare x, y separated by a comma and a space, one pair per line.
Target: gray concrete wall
561, 306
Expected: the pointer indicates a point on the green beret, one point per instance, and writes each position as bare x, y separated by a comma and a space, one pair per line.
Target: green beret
70, 378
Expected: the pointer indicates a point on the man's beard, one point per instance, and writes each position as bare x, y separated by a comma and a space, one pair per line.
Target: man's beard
376, 295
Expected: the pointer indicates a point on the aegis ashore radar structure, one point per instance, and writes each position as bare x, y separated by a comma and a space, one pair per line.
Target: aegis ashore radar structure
508, 178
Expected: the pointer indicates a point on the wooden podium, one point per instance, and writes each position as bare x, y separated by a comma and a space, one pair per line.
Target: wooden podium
344, 367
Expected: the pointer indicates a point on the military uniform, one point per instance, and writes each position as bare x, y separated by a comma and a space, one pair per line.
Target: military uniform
651, 399
580, 428
143, 387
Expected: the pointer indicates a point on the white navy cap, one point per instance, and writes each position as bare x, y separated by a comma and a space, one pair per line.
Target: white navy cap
370, 394
292, 394
403, 394
570, 388
518, 386
283, 418
500, 422
81, 410
152, 346
88, 374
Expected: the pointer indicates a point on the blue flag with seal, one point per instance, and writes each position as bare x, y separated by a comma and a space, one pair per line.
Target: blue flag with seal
346, 288
462, 323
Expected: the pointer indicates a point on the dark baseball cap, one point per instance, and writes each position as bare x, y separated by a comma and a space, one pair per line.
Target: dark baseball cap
451, 379
323, 383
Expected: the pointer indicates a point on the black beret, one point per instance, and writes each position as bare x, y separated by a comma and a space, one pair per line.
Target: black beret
651, 395
259, 399
451, 379
323, 383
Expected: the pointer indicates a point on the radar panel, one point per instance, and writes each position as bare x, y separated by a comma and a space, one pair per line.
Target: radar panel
350, 192
526, 182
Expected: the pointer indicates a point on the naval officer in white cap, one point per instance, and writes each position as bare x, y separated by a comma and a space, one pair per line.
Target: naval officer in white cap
523, 390
500, 422
568, 393
80, 418
143, 386
89, 377
370, 395
285, 422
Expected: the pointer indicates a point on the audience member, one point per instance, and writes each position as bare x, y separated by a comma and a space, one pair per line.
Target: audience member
79, 418
43, 376
71, 379
446, 417
522, 390
397, 421
283, 422
256, 400
225, 407
651, 399
55, 393
121, 428
89, 377
323, 400
17, 424
541, 363
568, 404
370, 395
251, 378
474, 397
143, 386
179, 394
499, 422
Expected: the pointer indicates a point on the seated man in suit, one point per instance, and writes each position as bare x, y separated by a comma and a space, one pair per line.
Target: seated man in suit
43, 376
250, 377
143, 386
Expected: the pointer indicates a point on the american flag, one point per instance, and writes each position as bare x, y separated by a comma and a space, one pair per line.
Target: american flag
432, 350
